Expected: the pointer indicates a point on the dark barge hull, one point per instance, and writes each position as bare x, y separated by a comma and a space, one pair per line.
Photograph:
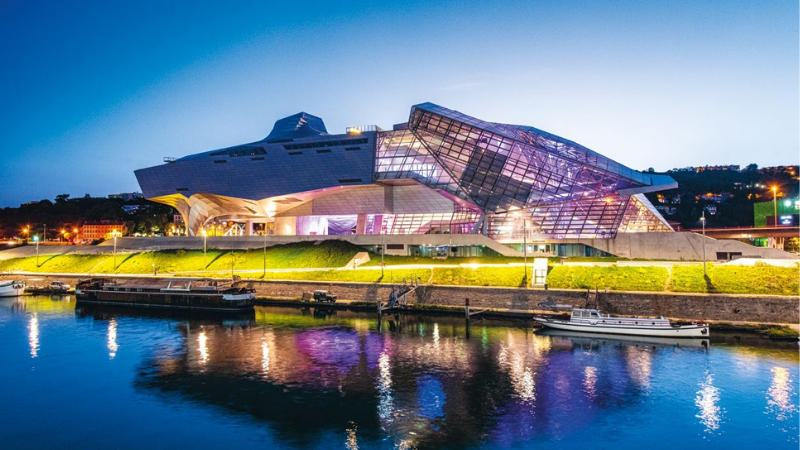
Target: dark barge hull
165, 300
46, 291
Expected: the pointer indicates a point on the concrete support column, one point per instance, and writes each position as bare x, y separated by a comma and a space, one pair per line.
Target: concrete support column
361, 224
250, 227
285, 226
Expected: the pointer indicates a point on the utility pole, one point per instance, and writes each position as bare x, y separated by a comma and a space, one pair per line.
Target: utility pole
775, 205
264, 232
703, 220
525, 248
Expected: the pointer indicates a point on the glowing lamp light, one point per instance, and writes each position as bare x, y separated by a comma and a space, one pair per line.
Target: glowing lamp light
787, 203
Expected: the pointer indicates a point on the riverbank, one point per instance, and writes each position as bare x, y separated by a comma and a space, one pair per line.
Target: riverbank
726, 311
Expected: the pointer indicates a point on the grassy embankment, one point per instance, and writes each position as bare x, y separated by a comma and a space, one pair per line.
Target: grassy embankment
721, 279
736, 280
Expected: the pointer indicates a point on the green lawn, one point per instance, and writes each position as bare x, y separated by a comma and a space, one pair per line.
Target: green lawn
736, 280
722, 279
288, 256
482, 276
363, 276
614, 278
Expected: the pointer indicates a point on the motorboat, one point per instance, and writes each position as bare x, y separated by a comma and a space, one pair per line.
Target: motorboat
12, 288
596, 321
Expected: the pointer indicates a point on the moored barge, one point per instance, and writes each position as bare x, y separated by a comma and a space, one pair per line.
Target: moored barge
187, 294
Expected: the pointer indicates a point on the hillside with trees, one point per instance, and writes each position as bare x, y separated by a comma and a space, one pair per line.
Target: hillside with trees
726, 195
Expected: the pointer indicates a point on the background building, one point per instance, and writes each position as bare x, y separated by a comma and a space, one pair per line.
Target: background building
102, 229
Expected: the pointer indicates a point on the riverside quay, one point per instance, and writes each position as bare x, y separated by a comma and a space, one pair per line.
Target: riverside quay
473, 183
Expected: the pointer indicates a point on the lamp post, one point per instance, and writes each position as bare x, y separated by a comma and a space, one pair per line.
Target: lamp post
264, 232
205, 236
775, 205
114, 233
518, 215
36, 239
703, 221
525, 247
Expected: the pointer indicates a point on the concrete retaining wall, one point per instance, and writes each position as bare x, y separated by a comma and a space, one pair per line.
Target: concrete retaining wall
720, 307
744, 308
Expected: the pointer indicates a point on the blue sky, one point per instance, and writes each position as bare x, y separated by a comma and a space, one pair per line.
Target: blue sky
91, 91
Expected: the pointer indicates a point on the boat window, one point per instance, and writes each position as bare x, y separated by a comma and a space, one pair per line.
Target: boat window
595, 314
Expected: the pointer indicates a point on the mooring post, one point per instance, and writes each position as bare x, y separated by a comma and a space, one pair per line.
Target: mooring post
466, 308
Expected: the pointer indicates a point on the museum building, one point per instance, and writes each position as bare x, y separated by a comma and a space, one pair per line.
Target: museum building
442, 172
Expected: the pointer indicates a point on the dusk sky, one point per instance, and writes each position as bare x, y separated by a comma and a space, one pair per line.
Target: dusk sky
91, 91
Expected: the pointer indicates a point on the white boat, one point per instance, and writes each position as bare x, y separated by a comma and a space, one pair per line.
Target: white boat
595, 321
12, 288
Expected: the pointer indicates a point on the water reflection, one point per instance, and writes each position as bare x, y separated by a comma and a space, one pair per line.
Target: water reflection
418, 381
351, 442
112, 338
340, 379
590, 381
707, 401
33, 334
385, 406
639, 365
780, 393
202, 347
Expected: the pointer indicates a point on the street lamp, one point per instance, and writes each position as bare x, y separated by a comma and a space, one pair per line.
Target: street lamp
525, 247
114, 233
264, 232
524, 243
703, 221
36, 239
775, 205
205, 236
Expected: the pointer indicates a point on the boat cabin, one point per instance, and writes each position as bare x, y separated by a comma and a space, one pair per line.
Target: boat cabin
587, 314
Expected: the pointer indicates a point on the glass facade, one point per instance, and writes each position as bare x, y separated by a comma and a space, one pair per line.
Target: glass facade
513, 174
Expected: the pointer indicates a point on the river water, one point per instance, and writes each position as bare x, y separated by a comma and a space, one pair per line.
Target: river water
101, 378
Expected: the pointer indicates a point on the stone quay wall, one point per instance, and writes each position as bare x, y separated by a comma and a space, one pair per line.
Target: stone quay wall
717, 307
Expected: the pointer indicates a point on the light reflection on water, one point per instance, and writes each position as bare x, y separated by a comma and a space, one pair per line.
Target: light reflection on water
707, 401
780, 395
112, 338
33, 335
287, 378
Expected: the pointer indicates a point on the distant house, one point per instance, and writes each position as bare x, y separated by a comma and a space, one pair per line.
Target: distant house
101, 229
